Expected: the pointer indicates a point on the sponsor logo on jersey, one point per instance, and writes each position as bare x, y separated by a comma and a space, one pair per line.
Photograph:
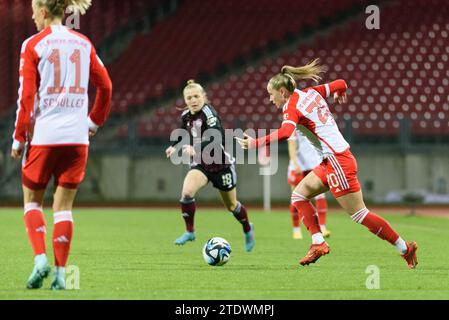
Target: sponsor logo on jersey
212, 121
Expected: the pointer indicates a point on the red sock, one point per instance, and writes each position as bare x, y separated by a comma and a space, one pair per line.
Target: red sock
321, 208
376, 224
35, 227
296, 220
241, 215
188, 208
62, 237
304, 207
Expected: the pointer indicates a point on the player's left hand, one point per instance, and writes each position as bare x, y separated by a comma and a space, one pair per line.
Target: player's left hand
92, 132
189, 150
247, 142
340, 98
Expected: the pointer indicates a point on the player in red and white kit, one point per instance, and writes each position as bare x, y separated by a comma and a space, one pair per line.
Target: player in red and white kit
303, 159
337, 172
53, 126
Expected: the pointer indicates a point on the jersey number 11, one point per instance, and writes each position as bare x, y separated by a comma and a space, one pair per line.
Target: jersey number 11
55, 59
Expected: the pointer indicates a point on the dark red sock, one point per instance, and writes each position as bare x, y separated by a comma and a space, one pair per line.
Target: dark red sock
241, 215
321, 208
376, 224
62, 237
36, 229
188, 208
295, 216
304, 207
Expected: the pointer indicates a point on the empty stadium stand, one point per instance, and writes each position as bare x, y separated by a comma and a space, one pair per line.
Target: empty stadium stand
398, 74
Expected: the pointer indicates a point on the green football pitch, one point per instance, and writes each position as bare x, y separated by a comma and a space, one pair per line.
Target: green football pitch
130, 254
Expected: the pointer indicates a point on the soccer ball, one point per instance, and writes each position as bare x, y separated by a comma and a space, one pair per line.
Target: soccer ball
216, 251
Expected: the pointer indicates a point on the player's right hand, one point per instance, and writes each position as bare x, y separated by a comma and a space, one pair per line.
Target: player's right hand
16, 154
169, 151
340, 97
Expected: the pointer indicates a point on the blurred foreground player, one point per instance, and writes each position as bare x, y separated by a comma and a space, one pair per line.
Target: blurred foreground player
53, 126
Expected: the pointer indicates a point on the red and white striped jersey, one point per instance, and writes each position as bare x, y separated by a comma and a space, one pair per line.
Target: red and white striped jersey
308, 157
55, 68
309, 109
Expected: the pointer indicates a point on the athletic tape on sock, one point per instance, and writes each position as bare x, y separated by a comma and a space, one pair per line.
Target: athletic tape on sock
297, 197
62, 216
32, 206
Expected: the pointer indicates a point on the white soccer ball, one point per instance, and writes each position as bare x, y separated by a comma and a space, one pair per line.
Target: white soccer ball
216, 251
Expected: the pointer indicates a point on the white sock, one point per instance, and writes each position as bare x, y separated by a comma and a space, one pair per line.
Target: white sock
297, 229
323, 227
317, 238
400, 245
60, 271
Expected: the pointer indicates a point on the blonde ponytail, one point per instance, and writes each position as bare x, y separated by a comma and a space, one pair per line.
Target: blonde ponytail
80, 6
57, 8
310, 71
289, 75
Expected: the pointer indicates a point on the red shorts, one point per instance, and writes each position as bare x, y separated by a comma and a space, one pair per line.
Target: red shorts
294, 179
339, 173
66, 163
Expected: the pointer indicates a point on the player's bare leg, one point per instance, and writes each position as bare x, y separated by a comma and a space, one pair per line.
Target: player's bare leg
354, 205
36, 228
63, 199
193, 182
229, 199
296, 220
308, 188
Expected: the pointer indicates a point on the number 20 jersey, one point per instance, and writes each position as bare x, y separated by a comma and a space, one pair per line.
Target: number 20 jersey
55, 67
309, 110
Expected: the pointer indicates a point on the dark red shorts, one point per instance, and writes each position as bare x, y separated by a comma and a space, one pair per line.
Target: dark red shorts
339, 173
294, 179
66, 164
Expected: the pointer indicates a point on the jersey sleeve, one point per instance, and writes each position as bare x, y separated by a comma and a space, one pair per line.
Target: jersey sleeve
325, 90
28, 77
99, 77
291, 116
212, 123
291, 112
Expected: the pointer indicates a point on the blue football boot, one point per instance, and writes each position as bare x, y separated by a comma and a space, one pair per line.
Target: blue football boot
187, 236
249, 239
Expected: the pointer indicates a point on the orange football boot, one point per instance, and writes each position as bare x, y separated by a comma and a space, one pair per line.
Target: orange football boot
315, 252
410, 255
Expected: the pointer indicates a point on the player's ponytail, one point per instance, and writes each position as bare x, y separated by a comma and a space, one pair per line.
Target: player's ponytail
289, 75
310, 71
57, 8
80, 6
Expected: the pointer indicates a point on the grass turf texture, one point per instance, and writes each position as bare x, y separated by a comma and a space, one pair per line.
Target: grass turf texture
129, 254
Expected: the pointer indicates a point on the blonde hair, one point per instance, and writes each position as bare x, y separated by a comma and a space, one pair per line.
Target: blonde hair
57, 8
288, 76
192, 84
